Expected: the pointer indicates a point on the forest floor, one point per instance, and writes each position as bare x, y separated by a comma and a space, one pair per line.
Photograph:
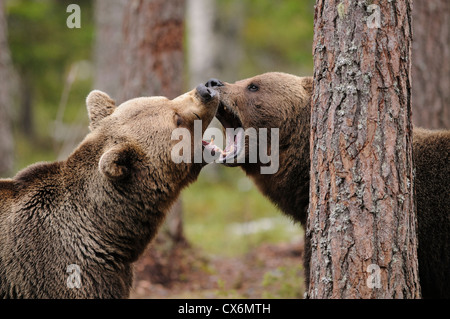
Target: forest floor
268, 271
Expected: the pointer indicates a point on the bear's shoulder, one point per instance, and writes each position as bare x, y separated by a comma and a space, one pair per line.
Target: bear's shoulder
7, 193
433, 144
422, 134
37, 175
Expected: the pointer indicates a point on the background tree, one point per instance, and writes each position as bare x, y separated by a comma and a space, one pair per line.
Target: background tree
431, 64
108, 43
6, 136
152, 63
43, 48
362, 221
152, 55
201, 16
214, 47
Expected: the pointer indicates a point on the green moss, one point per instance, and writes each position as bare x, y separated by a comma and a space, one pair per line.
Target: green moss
342, 11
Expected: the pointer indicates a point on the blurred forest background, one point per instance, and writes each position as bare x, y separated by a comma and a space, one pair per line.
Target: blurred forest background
232, 242
54, 67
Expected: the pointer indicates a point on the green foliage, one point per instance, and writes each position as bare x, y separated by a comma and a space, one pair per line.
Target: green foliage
278, 36
43, 51
42, 46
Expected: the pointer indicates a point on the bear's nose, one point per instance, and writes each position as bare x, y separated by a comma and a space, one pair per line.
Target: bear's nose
213, 82
205, 93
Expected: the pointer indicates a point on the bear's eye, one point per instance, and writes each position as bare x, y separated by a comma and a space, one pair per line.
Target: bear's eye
178, 119
253, 87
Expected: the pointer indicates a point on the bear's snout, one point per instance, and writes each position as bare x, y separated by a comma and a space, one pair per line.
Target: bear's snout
206, 94
213, 83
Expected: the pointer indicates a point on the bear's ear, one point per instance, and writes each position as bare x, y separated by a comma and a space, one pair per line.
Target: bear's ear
116, 163
307, 83
99, 106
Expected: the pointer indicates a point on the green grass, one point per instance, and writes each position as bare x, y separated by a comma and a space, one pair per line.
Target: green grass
284, 283
226, 215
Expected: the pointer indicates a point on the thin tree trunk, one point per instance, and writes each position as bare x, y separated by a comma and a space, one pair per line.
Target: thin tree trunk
214, 40
108, 43
229, 26
431, 64
202, 45
362, 221
152, 63
200, 21
6, 136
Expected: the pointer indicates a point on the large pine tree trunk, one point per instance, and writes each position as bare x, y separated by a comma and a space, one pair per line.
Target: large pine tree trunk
152, 63
431, 64
6, 137
362, 221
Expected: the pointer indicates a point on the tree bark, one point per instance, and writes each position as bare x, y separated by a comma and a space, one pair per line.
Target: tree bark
152, 63
152, 56
6, 136
362, 221
431, 64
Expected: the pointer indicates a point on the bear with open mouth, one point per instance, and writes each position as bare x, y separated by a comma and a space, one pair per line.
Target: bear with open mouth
280, 100
72, 229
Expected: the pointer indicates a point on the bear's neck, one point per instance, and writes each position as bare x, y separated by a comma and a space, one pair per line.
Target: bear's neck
288, 188
123, 216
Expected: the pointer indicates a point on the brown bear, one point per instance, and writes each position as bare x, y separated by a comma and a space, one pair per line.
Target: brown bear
72, 229
280, 100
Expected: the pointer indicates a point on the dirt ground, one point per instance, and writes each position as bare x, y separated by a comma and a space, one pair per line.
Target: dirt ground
269, 271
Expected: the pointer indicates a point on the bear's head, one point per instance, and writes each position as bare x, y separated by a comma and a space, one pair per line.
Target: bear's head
133, 141
267, 101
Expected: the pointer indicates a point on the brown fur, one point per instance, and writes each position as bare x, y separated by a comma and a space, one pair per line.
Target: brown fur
283, 101
99, 208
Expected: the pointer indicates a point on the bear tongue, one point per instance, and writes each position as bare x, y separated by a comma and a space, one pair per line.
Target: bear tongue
210, 145
230, 149
231, 140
